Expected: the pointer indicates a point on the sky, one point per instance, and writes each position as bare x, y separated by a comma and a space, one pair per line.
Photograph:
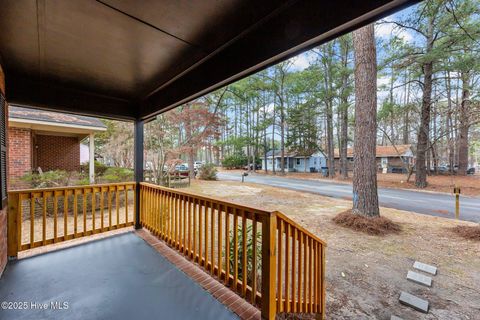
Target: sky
383, 31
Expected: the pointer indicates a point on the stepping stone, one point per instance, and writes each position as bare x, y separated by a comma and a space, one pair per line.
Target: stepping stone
413, 302
425, 267
395, 318
419, 278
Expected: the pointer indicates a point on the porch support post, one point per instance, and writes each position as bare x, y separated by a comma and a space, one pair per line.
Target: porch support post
269, 266
138, 166
91, 158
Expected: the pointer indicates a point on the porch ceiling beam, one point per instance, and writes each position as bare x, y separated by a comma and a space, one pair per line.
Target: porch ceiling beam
42, 94
298, 26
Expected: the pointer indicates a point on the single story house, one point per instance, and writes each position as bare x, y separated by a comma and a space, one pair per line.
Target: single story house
45, 140
389, 158
295, 162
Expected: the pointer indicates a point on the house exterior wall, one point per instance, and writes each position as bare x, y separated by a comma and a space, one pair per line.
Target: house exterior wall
19, 152
3, 212
57, 153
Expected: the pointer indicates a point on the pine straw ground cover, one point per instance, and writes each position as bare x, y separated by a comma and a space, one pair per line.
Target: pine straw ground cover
468, 232
379, 226
365, 273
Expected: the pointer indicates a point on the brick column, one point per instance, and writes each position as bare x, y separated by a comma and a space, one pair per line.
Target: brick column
3, 213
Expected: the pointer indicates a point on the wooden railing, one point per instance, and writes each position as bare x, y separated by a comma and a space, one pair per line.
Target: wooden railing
265, 257
39, 217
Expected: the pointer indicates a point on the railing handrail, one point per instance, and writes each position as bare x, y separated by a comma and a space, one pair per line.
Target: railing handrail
71, 187
279, 214
207, 198
282, 216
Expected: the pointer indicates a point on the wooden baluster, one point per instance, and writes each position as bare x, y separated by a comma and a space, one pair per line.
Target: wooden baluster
194, 234
177, 226
94, 209
287, 267
109, 195
304, 270
65, 215
172, 217
219, 242
184, 231
310, 275
126, 205
254, 259
279, 265
227, 246
235, 249
244, 254
75, 213
212, 238
160, 214
44, 218
84, 209
323, 294
206, 236
294, 268
299, 273
189, 225
317, 268
200, 235
55, 217
102, 204
117, 205
32, 219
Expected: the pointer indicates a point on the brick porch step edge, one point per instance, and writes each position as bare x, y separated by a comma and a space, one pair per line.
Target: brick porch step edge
224, 295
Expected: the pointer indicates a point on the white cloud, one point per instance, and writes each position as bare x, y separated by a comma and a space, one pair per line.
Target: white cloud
388, 30
301, 62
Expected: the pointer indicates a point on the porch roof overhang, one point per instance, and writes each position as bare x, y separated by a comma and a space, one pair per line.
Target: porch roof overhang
123, 60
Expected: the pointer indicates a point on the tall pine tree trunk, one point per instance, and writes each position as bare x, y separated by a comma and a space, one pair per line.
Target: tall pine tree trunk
365, 196
464, 125
424, 129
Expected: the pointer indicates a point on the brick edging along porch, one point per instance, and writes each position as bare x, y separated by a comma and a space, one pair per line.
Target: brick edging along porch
223, 294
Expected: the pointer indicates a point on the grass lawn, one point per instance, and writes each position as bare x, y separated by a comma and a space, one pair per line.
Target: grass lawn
365, 273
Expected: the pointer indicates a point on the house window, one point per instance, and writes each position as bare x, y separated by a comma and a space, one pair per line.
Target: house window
298, 162
315, 161
3, 150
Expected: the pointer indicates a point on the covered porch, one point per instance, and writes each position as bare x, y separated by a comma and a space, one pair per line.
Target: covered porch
126, 61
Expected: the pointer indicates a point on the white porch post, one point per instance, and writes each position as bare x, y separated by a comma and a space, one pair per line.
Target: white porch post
91, 158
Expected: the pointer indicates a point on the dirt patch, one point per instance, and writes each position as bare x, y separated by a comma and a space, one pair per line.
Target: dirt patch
468, 232
366, 273
379, 226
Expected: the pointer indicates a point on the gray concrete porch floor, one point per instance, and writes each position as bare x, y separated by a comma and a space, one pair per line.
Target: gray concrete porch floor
120, 277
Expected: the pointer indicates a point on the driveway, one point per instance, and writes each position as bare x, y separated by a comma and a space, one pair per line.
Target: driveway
431, 203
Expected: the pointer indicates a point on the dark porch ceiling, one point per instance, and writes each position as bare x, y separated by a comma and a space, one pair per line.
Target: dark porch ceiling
133, 59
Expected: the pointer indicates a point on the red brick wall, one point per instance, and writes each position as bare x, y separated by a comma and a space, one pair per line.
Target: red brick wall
3, 213
57, 153
19, 152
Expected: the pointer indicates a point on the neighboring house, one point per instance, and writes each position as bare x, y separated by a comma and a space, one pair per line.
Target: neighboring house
295, 162
47, 140
389, 158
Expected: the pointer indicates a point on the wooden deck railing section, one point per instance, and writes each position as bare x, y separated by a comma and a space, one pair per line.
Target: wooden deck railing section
283, 270
39, 217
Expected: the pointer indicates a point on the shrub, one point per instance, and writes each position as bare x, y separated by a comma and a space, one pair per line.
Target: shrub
208, 172
235, 161
114, 174
100, 168
239, 250
48, 179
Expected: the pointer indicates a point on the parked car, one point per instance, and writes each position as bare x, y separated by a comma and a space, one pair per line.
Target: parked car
257, 167
197, 164
471, 170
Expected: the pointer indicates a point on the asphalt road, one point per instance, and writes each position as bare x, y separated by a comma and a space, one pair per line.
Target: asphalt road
431, 203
